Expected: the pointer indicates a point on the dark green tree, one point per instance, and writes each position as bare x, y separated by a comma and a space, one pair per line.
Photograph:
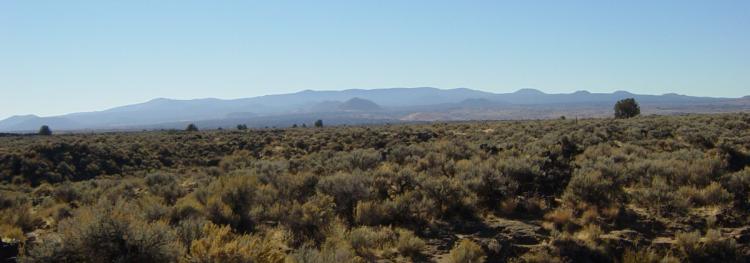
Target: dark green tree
242, 127
191, 128
45, 130
319, 123
627, 108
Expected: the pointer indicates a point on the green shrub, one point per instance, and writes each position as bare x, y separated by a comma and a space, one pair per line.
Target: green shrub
714, 194
713, 247
66, 192
627, 108
190, 229
237, 160
165, 186
152, 208
362, 159
109, 233
720, 249
186, 208
45, 130
448, 197
230, 200
346, 189
363, 239
21, 216
738, 184
646, 256
371, 213
487, 182
591, 188
325, 255
660, 198
191, 128
309, 220
409, 245
466, 251
538, 255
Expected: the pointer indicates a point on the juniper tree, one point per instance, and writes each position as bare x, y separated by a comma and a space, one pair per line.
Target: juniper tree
45, 130
627, 108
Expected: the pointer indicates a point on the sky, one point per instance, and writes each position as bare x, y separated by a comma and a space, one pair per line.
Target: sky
59, 57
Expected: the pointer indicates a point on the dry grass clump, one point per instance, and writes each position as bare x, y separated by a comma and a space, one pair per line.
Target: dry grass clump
562, 219
466, 251
711, 248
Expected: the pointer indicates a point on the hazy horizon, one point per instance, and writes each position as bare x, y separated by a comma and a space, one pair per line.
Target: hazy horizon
77, 56
325, 90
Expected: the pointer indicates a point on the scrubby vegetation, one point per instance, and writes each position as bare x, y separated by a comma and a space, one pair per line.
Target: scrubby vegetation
645, 189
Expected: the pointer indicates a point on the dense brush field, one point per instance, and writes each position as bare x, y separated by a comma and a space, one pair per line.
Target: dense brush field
646, 189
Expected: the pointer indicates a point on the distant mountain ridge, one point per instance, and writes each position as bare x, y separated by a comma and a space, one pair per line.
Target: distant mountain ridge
357, 104
361, 105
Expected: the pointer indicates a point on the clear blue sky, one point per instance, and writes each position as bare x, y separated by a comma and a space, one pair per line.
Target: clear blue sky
65, 56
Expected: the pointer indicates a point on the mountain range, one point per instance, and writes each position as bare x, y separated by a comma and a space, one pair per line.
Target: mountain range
360, 106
